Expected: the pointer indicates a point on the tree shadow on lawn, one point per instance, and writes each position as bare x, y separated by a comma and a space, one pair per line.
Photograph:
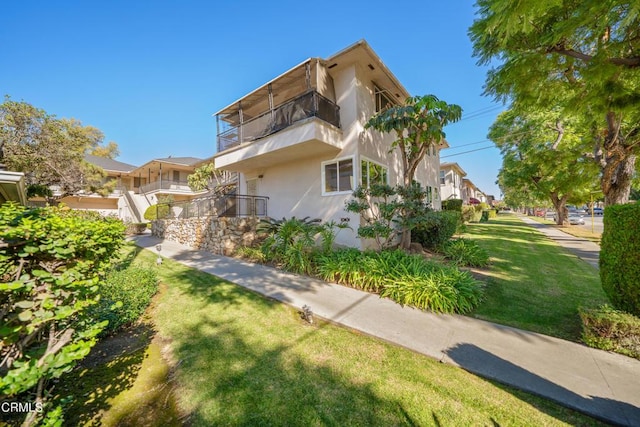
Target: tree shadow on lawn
110, 368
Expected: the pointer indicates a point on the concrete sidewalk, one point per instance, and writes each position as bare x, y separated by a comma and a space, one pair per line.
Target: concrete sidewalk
601, 384
582, 248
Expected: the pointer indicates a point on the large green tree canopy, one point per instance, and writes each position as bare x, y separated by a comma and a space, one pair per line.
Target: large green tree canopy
50, 151
542, 160
581, 56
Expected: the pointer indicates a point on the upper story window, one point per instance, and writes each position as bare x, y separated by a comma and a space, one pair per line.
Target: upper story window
383, 99
337, 176
442, 181
372, 173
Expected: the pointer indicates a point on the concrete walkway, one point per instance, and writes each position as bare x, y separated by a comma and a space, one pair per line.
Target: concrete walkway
582, 248
601, 384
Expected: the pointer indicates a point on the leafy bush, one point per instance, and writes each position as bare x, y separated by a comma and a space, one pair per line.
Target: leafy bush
135, 227
612, 330
619, 249
407, 279
125, 295
290, 242
465, 252
471, 213
435, 228
452, 205
251, 254
157, 211
51, 266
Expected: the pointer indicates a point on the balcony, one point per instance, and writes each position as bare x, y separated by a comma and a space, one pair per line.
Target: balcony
166, 185
303, 126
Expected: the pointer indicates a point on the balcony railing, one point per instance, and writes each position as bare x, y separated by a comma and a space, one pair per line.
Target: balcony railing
311, 104
165, 184
229, 205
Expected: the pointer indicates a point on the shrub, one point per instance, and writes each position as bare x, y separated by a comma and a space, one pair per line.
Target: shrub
436, 228
471, 213
406, 279
612, 330
290, 242
157, 211
465, 252
251, 254
452, 205
51, 266
135, 227
124, 296
619, 249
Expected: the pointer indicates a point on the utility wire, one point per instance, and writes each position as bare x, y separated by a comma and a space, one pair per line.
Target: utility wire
470, 151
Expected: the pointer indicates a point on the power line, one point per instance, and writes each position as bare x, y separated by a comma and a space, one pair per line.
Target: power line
470, 151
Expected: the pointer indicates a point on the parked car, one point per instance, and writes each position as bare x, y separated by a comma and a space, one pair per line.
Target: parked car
598, 211
575, 219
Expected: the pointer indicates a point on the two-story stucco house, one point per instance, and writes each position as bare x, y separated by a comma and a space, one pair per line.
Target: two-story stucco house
451, 176
300, 139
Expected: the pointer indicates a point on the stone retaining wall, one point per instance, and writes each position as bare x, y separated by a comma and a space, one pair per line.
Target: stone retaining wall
216, 235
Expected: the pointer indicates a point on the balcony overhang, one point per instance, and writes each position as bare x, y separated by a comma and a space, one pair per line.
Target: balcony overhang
307, 138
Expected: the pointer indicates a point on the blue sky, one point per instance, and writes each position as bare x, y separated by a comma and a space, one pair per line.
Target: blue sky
151, 74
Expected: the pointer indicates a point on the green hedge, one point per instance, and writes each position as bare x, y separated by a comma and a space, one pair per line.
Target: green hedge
611, 330
452, 205
154, 212
125, 296
619, 256
436, 228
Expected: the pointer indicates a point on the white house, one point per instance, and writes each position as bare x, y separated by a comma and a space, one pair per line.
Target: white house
451, 177
300, 139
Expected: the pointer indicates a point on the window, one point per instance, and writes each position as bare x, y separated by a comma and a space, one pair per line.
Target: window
429, 195
176, 176
372, 173
337, 176
441, 177
383, 99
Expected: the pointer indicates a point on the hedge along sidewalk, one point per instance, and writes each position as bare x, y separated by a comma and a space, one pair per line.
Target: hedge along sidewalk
591, 381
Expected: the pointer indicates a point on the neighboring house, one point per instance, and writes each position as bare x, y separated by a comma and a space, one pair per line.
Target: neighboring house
451, 177
300, 139
138, 187
471, 194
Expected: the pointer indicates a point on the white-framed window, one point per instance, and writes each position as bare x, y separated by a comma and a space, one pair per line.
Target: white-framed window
429, 198
338, 176
442, 181
372, 173
383, 99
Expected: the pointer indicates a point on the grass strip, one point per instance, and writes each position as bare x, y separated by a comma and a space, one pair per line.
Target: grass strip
533, 283
242, 359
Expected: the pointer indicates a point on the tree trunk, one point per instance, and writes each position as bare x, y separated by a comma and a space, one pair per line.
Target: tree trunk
559, 205
616, 180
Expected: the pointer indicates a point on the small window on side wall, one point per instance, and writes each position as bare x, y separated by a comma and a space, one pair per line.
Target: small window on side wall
383, 99
337, 176
372, 173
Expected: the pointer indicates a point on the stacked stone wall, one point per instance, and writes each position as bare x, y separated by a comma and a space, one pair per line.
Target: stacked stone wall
212, 234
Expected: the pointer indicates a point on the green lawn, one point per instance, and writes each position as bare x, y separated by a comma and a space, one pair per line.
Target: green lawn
241, 359
534, 284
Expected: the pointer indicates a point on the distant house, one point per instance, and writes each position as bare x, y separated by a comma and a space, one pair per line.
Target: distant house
471, 194
138, 187
451, 181
300, 139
